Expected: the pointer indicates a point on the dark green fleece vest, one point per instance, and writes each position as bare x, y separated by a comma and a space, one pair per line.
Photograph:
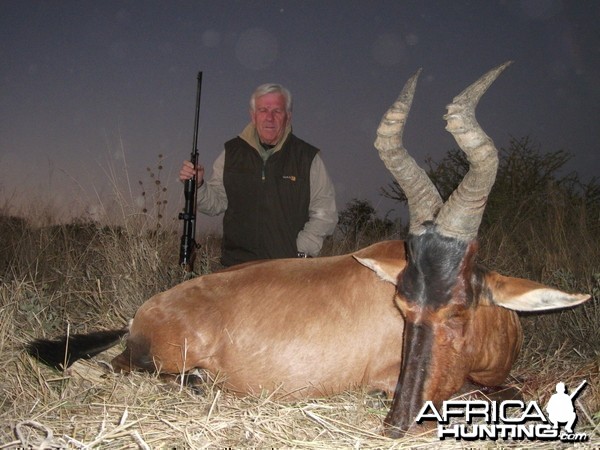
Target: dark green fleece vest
267, 202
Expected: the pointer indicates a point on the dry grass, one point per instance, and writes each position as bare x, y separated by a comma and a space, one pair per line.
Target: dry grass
83, 277
87, 407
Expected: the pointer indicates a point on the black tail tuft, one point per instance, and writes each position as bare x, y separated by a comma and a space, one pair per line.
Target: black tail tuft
60, 354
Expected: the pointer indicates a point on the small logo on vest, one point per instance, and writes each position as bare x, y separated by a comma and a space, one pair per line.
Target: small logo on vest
289, 177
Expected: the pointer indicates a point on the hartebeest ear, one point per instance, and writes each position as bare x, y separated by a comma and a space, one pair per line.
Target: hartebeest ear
525, 295
387, 269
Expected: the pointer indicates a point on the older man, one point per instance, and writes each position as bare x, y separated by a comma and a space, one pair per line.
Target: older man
278, 199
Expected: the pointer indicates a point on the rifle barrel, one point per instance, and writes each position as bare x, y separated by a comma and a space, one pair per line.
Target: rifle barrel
188, 237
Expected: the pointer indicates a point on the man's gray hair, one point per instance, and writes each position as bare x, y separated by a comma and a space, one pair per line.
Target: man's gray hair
271, 88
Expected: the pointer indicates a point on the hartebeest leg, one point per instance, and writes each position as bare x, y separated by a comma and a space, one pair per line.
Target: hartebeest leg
196, 380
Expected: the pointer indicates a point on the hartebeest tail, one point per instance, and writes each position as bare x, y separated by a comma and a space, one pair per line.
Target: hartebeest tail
416, 318
63, 352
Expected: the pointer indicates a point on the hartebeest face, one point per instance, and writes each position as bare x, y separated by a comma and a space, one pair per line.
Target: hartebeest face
438, 289
437, 297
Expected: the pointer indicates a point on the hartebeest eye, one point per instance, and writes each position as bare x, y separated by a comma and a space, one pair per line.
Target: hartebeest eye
455, 318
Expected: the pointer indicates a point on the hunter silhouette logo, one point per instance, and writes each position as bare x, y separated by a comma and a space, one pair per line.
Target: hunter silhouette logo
509, 419
560, 407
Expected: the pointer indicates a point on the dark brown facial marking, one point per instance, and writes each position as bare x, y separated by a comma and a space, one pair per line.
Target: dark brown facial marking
434, 265
408, 397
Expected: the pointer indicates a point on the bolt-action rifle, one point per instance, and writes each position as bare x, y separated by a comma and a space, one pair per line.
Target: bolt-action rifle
187, 251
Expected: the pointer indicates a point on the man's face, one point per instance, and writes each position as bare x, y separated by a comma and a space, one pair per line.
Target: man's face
270, 118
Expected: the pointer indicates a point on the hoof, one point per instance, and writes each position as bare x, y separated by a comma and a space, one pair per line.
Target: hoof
377, 399
492, 393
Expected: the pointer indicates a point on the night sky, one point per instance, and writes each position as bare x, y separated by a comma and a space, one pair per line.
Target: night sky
92, 92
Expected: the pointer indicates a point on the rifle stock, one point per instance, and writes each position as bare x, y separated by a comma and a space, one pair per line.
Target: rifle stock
187, 250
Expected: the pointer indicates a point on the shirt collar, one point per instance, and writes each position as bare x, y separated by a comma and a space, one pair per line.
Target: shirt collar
250, 135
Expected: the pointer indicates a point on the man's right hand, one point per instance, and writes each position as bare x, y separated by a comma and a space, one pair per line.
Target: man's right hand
187, 172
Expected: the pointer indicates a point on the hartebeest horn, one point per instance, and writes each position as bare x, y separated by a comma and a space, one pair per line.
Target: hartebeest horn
461, 215
424, 201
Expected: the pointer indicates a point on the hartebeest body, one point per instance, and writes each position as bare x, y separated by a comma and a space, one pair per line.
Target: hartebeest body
418, 317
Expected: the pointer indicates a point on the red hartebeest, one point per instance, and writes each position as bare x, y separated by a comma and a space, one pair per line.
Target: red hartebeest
319, 326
